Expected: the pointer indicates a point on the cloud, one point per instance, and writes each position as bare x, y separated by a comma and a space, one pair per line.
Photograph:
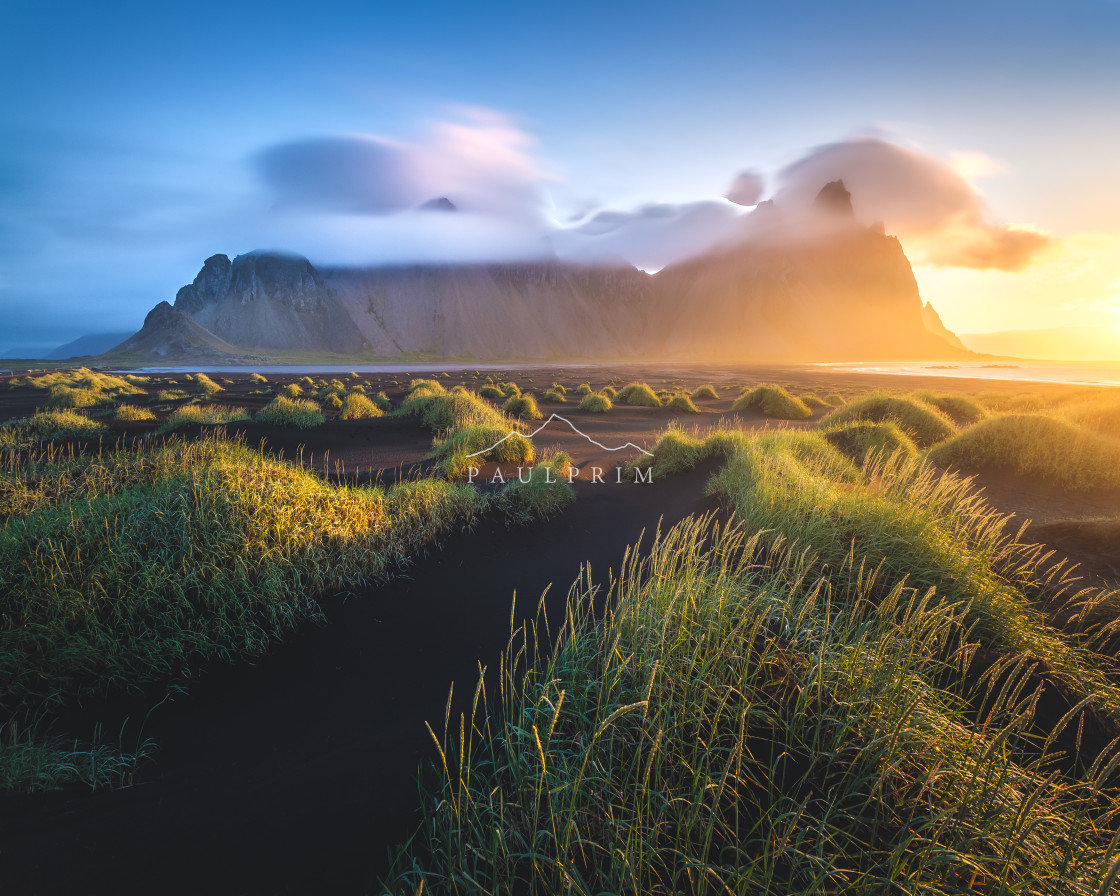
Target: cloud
483, 164
937, 214
746, 189
649, 237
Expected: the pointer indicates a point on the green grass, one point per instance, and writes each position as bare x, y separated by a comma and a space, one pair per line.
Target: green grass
523, 407
925, 424
705, 393
596, 403
1036, 445
737, 724
553, 396
257, 379
442, 410
639, 394
132, 413
292, 390
31, 760
204, 414
141, 565
856, 438
69, 397
358, 407
610, 392
332, 402
681, 402
47, 426
834, 399
168, 395
1100, 413
961, 409
451, 452
299, 412
584, 389
814, 402
559, 387
773, 401
543, 493
204, 385
493, 393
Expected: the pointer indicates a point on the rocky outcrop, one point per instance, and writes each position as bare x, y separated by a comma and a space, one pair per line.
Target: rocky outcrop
170, 335
932, 322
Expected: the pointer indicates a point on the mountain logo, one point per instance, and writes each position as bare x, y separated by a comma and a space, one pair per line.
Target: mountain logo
575, 429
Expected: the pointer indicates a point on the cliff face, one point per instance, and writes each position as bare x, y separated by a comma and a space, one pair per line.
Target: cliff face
834, 292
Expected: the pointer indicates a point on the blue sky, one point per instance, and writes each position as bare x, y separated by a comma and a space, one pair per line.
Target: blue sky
134, 138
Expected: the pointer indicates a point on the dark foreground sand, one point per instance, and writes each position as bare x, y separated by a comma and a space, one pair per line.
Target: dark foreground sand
294, 775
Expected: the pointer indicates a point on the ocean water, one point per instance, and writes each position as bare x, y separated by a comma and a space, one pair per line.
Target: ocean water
1083, 373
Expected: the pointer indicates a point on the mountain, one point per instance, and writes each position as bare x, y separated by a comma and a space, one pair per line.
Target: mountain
825, 289
932, 321
1056, 344
83, 346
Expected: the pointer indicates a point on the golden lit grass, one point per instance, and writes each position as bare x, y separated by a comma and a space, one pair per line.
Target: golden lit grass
203, 414
332, 402
143, 565
961, 409
681, 402
554, 396
523, 407
292, 390
856, 438
610, 392
204, 385
751, 716
705, 393
47, 426
257, 379
486, 443
493, 393
69, 397
167, 395
299, 412
81, 378
773, 401
584, 389
358, 407
133, 414
639, 394
1036, 445
1100, 413
925, 424
596, 403
814, 402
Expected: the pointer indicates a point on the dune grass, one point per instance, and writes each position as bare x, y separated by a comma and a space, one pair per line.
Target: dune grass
705, 393
638, 394
139, 565
610, 392
453, 453
357, 406
292, 390
961, 409
681, 402
49, 425
856, 438
554, 396
1100, 413
773, 401
69, 397
300, 412
1037, 445
523, 407
543, 493
559, 387
257, 379
204, 414
596, 403
814, 402
131, 413
80, 378
204, 385
164, 396
332, 402
834, 399
493, 393
737, 724
925, 424
584, 389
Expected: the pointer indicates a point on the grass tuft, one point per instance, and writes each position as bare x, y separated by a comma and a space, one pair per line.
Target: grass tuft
925, 424
299, 412
523, 407
358, 407
705, 393
132, 413
639, 394
596, 403
204, 414
773, 401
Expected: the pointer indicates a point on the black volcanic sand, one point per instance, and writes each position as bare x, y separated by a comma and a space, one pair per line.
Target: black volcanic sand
294, 775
